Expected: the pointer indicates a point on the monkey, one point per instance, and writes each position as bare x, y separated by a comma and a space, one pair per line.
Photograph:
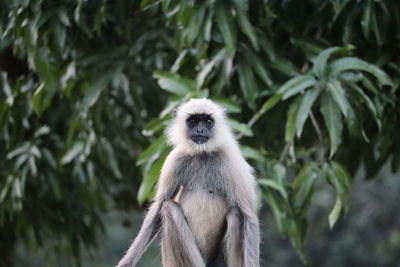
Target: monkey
205, 200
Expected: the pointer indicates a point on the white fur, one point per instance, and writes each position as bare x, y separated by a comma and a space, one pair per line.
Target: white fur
204, 214
222, 139
177, 132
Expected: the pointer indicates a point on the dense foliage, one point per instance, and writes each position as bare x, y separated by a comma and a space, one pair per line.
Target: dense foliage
86, 88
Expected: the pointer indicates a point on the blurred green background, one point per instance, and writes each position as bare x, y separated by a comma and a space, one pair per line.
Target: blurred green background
311, 89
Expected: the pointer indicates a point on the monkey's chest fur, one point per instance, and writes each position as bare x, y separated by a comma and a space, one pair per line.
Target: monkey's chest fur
203, 196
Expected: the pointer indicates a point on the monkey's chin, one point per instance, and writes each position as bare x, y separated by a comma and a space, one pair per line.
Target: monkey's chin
199, 139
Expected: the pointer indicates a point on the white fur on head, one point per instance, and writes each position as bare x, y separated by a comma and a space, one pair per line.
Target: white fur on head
178, 135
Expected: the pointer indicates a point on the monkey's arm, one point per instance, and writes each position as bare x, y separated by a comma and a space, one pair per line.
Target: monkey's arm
251, 238
148, 231
245, 191
166, 189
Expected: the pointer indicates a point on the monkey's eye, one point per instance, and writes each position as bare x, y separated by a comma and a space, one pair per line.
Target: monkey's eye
209, 121
191, 120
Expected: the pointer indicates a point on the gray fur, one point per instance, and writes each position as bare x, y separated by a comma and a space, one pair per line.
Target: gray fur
204, 172
204, 198
201, 175
205, 206
251, 241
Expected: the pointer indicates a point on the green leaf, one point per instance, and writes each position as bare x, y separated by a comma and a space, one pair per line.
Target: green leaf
274, 185
251, 153
37, 99
192, 31
366, 19
256, 62
306, 171
299, 88
94, 91
226, 27
270, 103
335, 213
279, 173
279, 212
199, 94
321, 60
150, 178
240, 127
291, 121
248, 84
305, 107
208, 67
377, 29
23, 148
246, 27
284, 66
173, 83
339, 95
73, 152
342, 175
303, 186
333, 122
353, 124
153, 151
112, 159
368, 102
352, 63
230, 105
309, 46
208, 25
296, 85
155, 125
292, 82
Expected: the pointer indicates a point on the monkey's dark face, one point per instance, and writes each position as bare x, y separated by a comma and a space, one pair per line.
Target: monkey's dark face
200, 127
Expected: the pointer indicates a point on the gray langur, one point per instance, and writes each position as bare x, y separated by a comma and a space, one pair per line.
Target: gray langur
205, 204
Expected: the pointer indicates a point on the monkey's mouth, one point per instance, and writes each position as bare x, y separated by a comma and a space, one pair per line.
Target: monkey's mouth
199, 139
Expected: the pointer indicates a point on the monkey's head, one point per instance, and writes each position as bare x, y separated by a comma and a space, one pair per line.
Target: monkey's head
199, 125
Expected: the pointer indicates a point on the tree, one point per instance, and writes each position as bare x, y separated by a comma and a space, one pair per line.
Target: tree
312, 90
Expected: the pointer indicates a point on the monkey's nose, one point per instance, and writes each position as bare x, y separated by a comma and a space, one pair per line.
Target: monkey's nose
199, 130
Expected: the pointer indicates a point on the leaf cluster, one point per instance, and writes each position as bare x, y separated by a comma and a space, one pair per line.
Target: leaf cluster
311, 90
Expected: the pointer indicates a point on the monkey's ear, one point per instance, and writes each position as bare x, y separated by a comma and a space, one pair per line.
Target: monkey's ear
174, 113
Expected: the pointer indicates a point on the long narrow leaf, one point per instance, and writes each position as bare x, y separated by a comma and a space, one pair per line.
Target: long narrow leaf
173, 83
339, 96
227, 28
296, 88
352, 63
369, 103
333, 122
240, 127
335, 212
320, 62
291, 121
306, 104
248, 84
246, 27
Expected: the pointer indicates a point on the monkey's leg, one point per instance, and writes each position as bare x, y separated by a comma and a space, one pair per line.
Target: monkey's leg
178, 246
233, 239
148, 231
242, 239
250, 238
